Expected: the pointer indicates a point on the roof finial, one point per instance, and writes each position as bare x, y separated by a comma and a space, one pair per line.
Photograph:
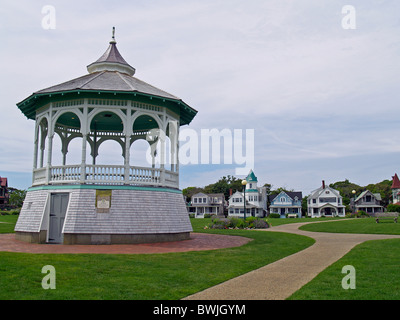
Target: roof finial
113, 36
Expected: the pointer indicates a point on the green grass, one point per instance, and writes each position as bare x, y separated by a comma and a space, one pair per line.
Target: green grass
7, 223
153, 276
377, 275
362, 225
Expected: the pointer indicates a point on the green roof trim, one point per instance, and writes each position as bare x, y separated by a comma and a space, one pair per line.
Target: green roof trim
30, 105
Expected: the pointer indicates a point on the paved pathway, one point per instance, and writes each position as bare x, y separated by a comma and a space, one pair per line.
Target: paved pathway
279, 280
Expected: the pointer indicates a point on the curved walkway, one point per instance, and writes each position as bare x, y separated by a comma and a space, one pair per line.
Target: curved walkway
280, 279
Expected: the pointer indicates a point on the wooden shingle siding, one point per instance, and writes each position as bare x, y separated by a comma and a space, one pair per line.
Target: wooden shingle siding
32, 211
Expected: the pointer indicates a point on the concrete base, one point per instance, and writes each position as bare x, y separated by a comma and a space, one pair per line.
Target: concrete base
31, 237
102, 239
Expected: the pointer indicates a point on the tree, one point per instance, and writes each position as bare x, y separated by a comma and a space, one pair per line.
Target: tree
17, 197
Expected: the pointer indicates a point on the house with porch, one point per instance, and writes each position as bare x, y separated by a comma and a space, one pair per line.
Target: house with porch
286, 203
369, 202
254, 197
202, 203
325, 201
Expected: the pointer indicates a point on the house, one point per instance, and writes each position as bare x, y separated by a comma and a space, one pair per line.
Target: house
256, 204
325, 201
369, 202
202, 203
396, 189
285, 203
4, 196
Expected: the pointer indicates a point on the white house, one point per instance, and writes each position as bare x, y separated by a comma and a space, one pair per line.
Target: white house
325, 201
202, 204
255, 199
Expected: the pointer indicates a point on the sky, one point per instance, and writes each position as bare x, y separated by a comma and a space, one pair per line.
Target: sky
318, 84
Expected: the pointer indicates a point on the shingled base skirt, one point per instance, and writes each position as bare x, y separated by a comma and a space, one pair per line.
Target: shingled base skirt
84, 214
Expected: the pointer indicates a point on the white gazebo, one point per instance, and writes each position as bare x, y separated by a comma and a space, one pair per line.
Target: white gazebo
86, 202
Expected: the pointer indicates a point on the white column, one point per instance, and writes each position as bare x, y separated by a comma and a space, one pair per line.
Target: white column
49, 155
35, 147
83, 158
127, 158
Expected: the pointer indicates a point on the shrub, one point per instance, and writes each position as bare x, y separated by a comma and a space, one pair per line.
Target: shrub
393, 208
362, 214
274, 215
238, 223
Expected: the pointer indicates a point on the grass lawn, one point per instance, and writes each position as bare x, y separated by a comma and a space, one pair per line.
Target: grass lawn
7, 223
154, 276
362, 225
376, 264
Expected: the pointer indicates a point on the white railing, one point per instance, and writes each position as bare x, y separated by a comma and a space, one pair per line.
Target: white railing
106, 175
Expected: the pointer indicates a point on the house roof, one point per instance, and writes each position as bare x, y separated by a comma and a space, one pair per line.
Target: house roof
251, 177
291, 194
396, 182
317, 192
376, 195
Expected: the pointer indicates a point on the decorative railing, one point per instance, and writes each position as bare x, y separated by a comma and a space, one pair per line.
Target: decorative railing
106, 175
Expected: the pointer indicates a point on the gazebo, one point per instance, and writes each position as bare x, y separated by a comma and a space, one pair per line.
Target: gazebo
87, 202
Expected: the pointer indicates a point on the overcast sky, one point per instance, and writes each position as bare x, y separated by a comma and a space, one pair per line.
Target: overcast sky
323, 100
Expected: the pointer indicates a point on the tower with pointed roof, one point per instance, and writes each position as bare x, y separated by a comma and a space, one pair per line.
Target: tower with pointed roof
396, 189
87, 201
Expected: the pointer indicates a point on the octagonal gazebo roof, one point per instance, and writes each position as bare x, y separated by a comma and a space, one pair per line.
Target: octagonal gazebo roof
109, 76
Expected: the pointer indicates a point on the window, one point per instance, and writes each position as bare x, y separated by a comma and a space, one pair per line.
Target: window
194, 200
283, 199
255, 198
251, 186
204, 200
200, 200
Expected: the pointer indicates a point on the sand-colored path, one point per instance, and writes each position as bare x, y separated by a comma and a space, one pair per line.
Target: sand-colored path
279, 280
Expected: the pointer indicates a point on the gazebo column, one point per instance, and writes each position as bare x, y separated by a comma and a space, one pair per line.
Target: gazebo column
127, 158
35, 148
49, 155
83, 159
43, 135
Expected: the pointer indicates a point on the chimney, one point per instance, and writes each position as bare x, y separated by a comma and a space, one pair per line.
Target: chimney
230, 191
323, 184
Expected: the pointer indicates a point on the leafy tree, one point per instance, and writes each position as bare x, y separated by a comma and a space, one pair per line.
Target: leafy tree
17, 197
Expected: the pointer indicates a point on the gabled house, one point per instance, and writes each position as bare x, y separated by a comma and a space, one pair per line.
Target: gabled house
325, 201
286, 203
4, 196
396, 189
369, 202
255, 199
202, 203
